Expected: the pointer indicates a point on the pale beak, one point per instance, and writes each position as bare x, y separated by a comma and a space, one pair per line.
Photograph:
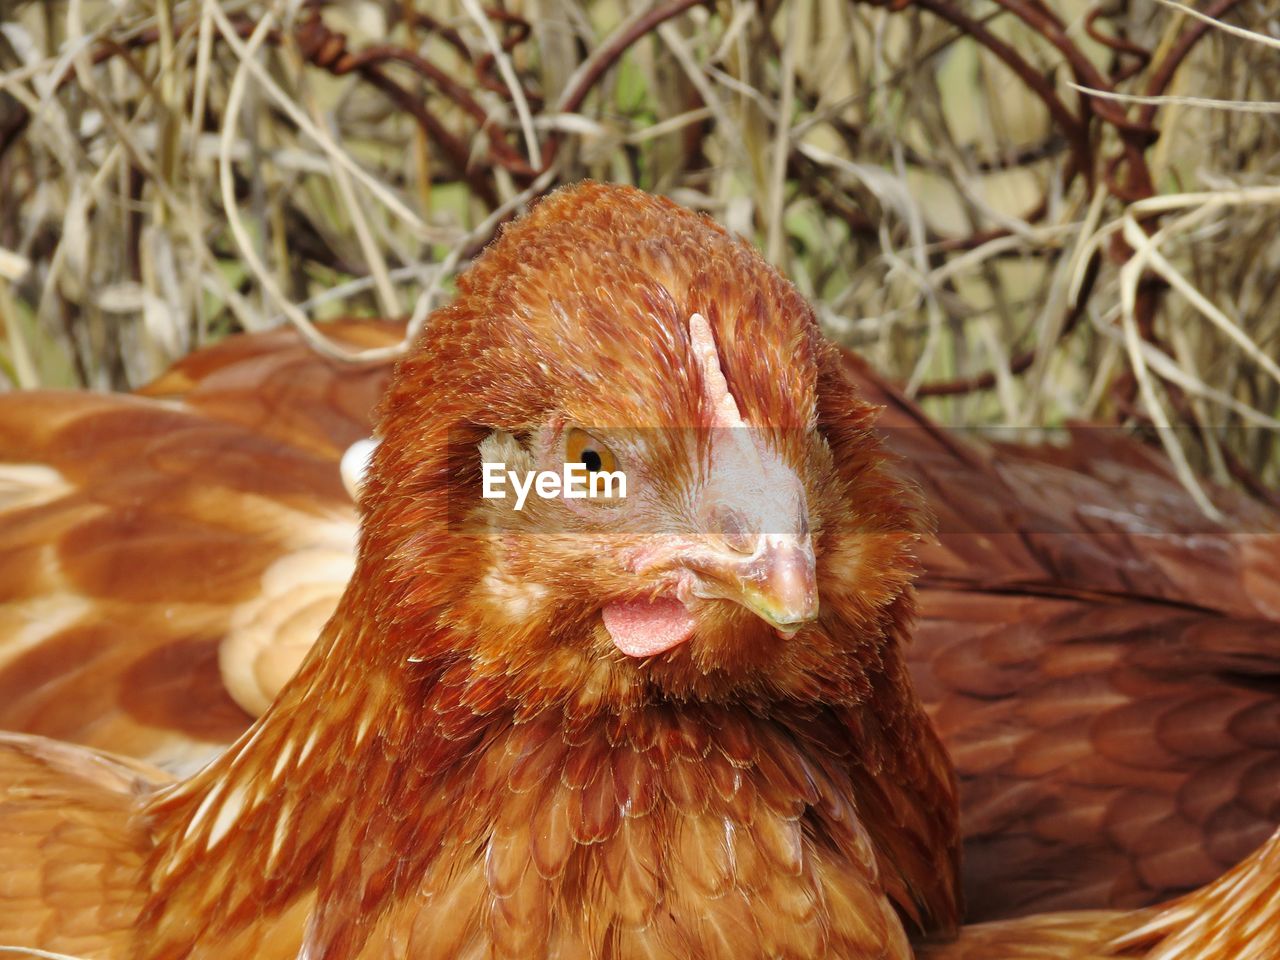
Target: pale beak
777, 581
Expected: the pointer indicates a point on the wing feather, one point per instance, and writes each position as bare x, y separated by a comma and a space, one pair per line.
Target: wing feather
144, 547
71, 846
1102, 661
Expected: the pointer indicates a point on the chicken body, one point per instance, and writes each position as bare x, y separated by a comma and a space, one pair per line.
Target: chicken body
157, 554
469, 763
1101, 661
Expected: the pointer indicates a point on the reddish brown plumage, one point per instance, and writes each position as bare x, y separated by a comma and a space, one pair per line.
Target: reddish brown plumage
136, 539
450, 776
1103, 663
1108, 689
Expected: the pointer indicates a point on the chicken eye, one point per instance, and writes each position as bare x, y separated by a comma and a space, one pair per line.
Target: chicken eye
581, 447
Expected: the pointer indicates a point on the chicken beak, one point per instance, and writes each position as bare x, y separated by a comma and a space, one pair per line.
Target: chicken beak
777, 581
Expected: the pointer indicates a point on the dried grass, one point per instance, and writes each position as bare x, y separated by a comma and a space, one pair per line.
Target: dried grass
175, 171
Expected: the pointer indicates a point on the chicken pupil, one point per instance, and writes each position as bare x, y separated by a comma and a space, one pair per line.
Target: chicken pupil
591, 460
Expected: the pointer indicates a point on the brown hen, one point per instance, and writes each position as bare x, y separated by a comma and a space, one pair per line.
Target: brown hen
1101, 661
676, 726
1083, 626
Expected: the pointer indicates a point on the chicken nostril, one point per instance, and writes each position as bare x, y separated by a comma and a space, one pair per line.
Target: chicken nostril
731, 526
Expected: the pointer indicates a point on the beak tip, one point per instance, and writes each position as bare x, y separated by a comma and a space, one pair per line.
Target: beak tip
787, 607
790, 595
792, 619
777, 583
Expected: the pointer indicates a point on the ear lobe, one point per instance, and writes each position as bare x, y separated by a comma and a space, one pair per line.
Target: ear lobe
354, 464
502, 447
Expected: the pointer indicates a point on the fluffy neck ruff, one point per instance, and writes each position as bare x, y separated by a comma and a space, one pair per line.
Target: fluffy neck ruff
440, 809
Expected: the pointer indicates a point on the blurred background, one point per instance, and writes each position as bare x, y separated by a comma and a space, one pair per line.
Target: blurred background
1029, 212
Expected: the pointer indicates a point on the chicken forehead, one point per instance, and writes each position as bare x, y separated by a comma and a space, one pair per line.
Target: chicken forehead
595, 288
